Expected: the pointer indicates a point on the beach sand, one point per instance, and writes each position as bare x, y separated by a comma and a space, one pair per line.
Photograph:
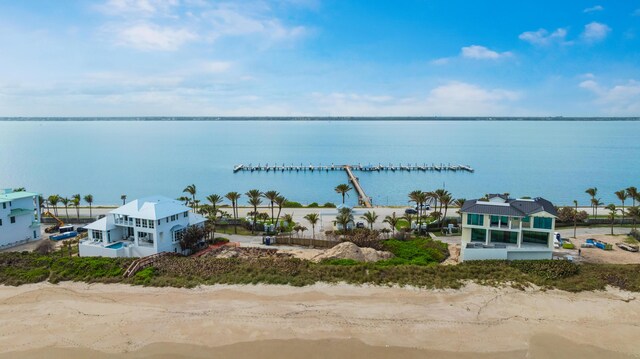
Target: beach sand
78, 320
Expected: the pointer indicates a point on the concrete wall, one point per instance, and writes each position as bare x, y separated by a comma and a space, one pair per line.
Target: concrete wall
473, 254
529, 255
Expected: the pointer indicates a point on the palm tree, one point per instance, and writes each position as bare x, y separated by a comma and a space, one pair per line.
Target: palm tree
191, 189
392, 221
53, 200
313, 219
459, 203
89, 199
343, 219
446, 200
595, 203
215, 200
438, 195
65, 202
271, 197
634, 213
288, 218
184, 199
255, 201
123, 197
343, 189
302, 229
612, 214
622, 196
575, 218
280, 201
371, 217
592, 192
234, 197
75, 201
417, 197
632, 192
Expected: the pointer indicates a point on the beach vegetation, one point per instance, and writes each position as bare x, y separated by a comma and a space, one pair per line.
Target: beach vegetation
293, 204
22, 268
329, 205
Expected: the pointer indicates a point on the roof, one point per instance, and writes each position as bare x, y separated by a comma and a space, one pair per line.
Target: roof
195, 218
100, 225
154, 207
7, 195
509, 207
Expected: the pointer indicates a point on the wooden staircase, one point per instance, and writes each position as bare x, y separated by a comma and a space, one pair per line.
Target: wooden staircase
144, 262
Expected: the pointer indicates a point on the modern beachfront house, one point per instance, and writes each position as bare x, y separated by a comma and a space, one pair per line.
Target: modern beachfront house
499, 227
19, 217
140, 228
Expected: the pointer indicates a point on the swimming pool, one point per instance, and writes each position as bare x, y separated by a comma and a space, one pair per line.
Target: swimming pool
116, 245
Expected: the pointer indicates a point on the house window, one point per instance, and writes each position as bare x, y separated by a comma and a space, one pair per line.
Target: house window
504, 237
177, 235
137, 222
186, 214
535, 237
167, 219
478, 235
96, 234
542, 222
13, 219
475, 219
151, 223
158, 222
144, 223
0, 222
4, 205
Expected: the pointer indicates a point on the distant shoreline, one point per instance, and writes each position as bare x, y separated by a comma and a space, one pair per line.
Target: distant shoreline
313, 118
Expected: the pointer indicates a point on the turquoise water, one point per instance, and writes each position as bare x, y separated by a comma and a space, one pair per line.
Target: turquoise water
554, 159
116, 245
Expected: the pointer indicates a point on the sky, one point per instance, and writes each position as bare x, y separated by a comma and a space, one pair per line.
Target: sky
319, 58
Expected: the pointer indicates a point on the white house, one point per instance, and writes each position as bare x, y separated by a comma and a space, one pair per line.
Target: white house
505, 228
140, 228
19, 217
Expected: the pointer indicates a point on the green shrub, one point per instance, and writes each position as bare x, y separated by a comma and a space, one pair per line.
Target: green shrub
419, 251
220, 240
329, 205
340, 262
292, 204
567, 245
313, 205
547, 269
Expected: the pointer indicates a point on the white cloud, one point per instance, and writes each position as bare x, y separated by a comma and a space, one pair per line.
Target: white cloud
137, 7
481, 52
153, 37
542, 37
595, 31
619, 100
452, 99
232, 20
593, 9
216, 67
441, 61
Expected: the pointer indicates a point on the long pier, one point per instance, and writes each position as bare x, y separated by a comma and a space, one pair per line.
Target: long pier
363, 199
366, 168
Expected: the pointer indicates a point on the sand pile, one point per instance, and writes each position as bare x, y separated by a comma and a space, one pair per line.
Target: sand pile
348, 250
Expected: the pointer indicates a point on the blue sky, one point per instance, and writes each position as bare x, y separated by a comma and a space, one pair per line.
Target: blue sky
319, 58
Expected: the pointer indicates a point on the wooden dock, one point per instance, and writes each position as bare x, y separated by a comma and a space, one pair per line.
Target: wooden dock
365, 168
363, 199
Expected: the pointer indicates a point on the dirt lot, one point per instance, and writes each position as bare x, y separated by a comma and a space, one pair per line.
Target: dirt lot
596, 255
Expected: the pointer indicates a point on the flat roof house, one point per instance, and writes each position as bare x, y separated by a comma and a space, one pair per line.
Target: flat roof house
19, 217
140, 228
500, 227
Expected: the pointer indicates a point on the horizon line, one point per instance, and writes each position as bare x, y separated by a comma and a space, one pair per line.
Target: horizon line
319, 118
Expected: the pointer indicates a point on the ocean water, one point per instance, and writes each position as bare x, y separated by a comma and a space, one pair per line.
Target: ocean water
554, 159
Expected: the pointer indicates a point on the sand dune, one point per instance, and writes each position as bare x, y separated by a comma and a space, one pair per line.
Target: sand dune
118, 321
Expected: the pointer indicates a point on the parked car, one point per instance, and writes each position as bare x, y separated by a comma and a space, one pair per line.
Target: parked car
81, 229
410, 211
360, 225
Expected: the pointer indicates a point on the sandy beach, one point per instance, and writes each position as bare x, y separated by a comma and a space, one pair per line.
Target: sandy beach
77, 320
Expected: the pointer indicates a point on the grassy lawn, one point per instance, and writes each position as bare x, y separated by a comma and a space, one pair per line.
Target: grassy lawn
402, 223
631, 240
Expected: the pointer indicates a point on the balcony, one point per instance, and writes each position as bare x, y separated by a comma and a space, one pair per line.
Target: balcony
123, 222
